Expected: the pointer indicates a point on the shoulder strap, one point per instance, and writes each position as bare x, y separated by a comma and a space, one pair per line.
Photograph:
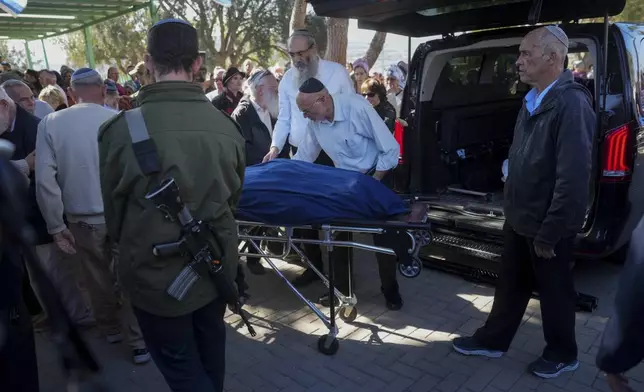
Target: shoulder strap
144, 148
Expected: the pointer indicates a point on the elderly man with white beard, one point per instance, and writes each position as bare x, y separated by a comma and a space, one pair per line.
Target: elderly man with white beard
291, 124
256, 115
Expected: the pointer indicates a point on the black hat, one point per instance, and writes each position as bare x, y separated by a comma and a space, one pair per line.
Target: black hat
311, 86
232, 71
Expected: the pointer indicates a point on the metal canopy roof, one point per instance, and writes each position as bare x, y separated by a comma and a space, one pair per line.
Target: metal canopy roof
50, 18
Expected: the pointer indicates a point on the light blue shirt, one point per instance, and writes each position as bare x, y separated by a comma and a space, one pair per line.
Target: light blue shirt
533, 98
357, 139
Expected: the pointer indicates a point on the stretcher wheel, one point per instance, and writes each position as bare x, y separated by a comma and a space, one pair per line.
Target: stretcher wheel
349, 314
412, 270
328, 345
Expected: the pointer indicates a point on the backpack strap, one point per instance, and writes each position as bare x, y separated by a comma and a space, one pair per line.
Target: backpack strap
144, 148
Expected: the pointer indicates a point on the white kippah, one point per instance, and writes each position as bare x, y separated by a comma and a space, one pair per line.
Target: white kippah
559, 34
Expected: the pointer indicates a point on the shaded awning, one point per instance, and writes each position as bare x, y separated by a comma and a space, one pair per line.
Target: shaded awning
43, 19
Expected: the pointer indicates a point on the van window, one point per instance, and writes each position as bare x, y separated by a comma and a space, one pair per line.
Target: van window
477, 77
464, 70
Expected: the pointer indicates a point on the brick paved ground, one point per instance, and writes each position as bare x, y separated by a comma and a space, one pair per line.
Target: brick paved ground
382, 350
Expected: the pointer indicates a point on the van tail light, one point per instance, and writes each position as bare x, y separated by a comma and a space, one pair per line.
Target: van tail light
618, 147
399, 135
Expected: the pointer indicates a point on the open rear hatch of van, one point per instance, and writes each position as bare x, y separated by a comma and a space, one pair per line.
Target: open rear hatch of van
466, 221
420, 18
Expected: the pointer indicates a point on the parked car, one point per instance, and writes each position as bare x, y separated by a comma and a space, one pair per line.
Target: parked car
463, 96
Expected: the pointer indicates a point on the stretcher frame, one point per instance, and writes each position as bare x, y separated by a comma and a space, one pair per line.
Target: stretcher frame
407, 253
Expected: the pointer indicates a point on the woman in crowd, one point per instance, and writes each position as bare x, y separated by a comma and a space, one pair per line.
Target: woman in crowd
360, 73
376, 94
53, 97
396, 83
228, 100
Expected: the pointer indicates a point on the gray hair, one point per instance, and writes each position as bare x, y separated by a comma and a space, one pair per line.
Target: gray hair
303, 33
11, 83
255, 80
554, 40
5, 97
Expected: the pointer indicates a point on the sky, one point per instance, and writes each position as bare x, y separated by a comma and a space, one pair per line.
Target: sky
395, 48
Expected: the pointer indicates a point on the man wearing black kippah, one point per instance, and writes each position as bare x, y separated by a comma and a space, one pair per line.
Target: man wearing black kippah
201, 148
350, 131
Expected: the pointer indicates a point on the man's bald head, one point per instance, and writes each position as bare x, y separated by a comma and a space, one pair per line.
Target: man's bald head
542, 55
314, 101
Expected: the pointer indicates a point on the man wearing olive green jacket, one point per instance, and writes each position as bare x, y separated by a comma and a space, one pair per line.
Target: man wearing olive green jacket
202, 149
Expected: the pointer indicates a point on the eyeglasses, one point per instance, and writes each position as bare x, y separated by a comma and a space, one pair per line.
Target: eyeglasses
307, 112
301, 52
370, 95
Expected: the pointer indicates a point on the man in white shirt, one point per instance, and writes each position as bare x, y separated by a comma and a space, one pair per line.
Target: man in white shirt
291, 124
353, 135
68, 183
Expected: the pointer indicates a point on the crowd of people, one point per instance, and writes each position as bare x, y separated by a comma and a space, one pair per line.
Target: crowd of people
89, 167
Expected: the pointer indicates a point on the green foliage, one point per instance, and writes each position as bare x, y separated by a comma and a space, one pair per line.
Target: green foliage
249, 29
119, 41
633, 12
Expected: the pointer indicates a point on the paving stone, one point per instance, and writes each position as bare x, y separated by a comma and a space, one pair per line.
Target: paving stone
407, 351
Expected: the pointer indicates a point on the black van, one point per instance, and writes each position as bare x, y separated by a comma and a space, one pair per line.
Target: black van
463, 96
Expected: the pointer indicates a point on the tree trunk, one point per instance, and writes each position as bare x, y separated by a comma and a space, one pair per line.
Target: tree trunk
375, 48
336, 47
298, 15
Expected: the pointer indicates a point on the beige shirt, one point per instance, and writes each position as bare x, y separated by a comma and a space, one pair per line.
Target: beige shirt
67, 171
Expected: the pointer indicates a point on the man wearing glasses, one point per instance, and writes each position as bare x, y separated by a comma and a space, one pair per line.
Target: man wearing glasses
291, 124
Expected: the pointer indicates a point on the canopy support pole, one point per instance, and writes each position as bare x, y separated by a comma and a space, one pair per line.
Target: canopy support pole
605, 61
89, 48
44, 51
154, 15
408, 53
28, 53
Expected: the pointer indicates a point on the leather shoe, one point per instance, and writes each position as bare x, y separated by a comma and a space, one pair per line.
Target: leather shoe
255, 267
309, 276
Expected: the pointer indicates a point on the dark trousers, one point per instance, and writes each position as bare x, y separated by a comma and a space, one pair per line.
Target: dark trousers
343, 266
313, 252
522, 272
18, 365
190, 350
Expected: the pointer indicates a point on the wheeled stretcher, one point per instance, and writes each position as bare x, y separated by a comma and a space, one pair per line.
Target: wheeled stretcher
403, 238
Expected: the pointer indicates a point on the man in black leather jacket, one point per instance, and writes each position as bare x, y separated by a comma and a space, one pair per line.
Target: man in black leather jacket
546, 194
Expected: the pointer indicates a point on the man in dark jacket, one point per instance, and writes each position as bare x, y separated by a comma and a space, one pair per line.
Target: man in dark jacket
546, 194
256, 115
622, 346
18, 365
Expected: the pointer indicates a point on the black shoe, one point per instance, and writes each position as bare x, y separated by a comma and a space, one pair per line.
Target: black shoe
393, 301
547, 369
255, 267
468, 346
309, 276
324, 300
